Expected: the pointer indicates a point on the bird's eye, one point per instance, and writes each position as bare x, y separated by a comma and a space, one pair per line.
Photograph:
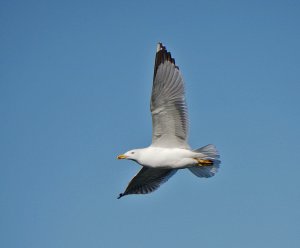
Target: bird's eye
132, 152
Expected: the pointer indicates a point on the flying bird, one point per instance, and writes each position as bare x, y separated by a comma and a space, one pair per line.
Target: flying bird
169, 150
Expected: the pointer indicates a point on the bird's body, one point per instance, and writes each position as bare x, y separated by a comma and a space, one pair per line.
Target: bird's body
166, 158
169, 150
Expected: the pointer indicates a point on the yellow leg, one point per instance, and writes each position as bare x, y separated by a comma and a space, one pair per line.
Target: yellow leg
204, 162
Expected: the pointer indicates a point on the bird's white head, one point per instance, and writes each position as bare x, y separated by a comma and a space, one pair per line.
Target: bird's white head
132, 155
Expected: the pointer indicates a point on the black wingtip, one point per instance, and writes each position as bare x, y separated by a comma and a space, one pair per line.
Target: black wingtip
120, 195
160, 47
162, 55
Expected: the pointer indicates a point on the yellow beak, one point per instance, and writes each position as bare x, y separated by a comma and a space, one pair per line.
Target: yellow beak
122, 156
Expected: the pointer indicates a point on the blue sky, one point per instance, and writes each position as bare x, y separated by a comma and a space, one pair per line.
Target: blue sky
75, 85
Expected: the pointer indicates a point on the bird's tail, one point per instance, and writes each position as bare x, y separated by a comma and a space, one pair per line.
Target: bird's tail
208, 162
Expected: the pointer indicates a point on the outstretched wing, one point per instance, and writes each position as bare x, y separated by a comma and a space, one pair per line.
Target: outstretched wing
168, 106
147, 180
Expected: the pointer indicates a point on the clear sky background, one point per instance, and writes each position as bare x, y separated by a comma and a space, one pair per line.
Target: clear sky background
75, 85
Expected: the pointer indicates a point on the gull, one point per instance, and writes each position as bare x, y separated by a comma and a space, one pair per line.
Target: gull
169, 150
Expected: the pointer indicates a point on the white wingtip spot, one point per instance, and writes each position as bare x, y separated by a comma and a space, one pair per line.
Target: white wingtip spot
158, 48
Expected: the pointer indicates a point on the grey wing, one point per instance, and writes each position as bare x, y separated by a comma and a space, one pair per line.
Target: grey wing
147, 180
168, 106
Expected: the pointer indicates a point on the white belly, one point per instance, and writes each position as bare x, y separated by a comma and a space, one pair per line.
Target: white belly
175, 158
